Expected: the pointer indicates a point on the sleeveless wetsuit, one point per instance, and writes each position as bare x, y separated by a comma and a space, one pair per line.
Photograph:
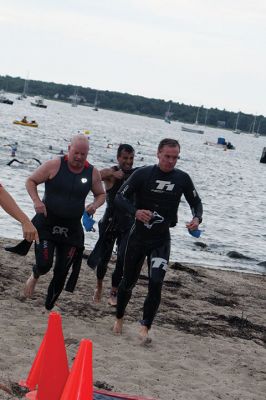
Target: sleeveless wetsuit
61, 231
160, 193
111, 228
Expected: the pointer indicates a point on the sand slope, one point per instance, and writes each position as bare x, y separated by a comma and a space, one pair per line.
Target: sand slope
208, 338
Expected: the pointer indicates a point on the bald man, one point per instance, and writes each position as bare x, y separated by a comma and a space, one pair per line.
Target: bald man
68, 180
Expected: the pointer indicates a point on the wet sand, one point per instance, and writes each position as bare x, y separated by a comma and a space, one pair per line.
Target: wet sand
208, 339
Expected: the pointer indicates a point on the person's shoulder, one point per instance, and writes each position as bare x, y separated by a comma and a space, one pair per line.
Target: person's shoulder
54, 162
180, 172
143, 168
180, 175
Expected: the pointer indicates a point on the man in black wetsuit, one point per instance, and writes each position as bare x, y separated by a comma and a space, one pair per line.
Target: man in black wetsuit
111, 228
68, 180
158, 190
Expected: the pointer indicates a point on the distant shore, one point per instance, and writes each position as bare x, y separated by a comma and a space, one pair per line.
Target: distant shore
208, 342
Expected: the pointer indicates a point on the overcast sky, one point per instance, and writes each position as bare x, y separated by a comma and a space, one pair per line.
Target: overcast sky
199, 52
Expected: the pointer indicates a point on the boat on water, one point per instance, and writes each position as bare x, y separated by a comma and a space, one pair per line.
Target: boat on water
75, 99
191, 128
38, 102
236, 130
168, 114
32, 124
25, 89
96, 102
4, 99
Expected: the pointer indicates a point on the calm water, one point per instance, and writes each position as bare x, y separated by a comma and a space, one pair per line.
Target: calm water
230, 183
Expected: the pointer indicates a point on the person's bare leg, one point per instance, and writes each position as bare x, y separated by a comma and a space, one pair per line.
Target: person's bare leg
98, 291
112, 301
144, 335
30, 286
117, 329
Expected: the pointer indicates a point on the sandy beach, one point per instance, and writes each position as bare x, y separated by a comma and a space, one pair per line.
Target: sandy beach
208, 339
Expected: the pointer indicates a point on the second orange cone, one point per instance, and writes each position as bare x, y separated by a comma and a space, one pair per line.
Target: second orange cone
79, 385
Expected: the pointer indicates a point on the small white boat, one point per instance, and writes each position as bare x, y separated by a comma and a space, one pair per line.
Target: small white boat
38, 102
168, 114
25, 89
96, 102
193, 130
236, 130
75, 99
4, 99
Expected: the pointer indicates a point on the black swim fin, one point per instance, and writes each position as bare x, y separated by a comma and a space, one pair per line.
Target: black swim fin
22, 248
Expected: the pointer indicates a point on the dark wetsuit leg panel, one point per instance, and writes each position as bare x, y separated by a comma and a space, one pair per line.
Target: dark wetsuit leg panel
107, 249
122, 239
157, 261
103, 248
64, 258
44, 254
134, 257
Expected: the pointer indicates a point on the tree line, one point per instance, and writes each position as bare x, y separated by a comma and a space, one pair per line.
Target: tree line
134, 104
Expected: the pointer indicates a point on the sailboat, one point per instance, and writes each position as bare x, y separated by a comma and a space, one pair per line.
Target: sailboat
257, 134
168, 114
25, 90
95, 105
206, 117
252, 128
194, 130
236, 130
75, 98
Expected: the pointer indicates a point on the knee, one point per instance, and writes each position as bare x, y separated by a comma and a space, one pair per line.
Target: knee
41, 268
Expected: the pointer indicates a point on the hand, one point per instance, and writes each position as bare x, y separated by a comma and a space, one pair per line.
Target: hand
29, 231
118, 174
143, 215
91, 209
193, 224
40, 208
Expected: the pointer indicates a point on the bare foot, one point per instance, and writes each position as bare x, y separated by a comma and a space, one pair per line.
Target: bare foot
112, 301
97, 295
30, 286
117, 329
144, 335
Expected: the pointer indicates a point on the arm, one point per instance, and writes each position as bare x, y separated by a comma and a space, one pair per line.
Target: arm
195, 204
11, 207
45, 172
110, 175
123, 199
98, 192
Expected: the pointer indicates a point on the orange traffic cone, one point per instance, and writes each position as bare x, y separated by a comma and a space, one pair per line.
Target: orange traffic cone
34, 374
54, 368
79, 385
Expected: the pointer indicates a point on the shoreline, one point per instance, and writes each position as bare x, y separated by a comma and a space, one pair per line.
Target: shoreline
208, 338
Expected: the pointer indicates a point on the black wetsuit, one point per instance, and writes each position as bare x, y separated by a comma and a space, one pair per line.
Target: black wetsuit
61, 231
160, 193
111, 228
